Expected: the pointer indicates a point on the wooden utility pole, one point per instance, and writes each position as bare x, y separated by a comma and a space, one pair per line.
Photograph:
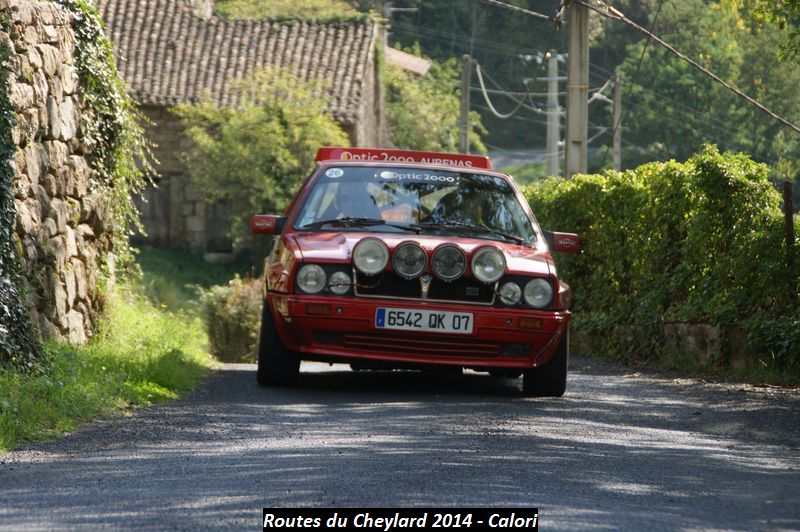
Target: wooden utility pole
553, 115
616, 149
575, 157
466, 74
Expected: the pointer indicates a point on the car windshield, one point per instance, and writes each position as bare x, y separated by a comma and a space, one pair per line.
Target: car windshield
426, 201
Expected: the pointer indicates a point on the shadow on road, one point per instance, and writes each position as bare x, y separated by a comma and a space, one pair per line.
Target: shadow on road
616, 451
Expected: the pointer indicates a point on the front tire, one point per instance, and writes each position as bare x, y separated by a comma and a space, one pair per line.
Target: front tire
549, 380
277, 366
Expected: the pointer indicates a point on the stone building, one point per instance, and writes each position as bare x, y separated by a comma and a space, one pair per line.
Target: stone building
173, 51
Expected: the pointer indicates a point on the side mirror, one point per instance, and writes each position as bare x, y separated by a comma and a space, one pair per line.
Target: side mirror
562, 242
267, 224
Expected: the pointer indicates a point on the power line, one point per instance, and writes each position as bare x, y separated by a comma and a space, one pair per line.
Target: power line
510, 95
635, 73
492, 47
515, 117
495, 112
603, 131
692, 112
513, 93
614, 14
695, 130
598, 93
520, 102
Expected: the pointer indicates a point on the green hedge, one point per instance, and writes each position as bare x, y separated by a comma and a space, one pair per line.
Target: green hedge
699, 242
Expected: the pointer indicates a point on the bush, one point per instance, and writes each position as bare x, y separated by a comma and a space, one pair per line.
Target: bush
254, 156
699, 241
232, 313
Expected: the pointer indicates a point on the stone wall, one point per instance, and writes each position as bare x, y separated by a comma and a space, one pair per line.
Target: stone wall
63, 228
705, 344
173, 213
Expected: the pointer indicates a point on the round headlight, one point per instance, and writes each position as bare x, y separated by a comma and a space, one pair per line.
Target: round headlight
488, 264
311, 279
510, 293
538, 293
409, 260
370, 256
449, 262
339, 283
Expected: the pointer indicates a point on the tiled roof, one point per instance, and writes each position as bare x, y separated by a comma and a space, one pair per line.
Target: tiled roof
169, 55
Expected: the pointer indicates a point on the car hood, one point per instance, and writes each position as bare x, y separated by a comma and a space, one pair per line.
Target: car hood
337, 246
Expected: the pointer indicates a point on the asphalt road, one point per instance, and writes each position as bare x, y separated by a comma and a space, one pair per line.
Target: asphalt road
619, 451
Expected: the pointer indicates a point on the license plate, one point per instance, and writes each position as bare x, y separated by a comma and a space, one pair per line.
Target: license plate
423, 320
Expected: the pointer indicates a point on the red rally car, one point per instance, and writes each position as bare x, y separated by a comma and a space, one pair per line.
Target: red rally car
402, 259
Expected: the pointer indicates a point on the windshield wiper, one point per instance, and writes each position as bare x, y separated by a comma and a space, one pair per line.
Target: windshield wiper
480, 227
350, 221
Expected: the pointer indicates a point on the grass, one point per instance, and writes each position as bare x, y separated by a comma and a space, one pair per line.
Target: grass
169, 276
151, 348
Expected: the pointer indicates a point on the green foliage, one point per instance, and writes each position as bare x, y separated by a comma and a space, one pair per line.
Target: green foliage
669, 109
113, 138
786, 15
691, 109
143, 354
171, 277
699, 241
255, 155
525, 174
232, 314
314, 9
18, 342
500, 40
423, 111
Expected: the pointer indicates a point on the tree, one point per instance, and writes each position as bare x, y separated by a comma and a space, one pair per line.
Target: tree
423, 112
786, 15
672, 108
254, 156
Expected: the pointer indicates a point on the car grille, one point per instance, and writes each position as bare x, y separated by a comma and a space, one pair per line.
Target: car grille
389, 284
400, 344
407, 344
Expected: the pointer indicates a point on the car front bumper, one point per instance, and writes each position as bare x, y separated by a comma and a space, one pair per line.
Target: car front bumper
343, 328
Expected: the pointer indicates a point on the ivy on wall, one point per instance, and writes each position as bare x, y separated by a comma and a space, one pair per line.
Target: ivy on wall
114, 140
116, 151
19, 345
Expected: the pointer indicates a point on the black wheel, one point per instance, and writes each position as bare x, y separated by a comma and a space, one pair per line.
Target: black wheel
277, 366
549, 380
